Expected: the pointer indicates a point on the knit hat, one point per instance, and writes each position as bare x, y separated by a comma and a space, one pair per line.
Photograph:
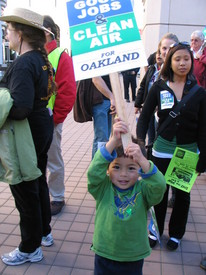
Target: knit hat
25, 17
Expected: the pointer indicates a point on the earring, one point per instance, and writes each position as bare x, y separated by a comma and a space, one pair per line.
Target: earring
108, 173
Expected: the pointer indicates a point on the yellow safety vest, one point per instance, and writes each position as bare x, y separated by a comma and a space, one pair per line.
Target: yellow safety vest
54, 57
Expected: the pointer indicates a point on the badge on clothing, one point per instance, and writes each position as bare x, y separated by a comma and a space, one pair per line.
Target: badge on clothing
166, 99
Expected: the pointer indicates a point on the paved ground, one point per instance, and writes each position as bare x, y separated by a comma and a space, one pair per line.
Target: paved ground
72, 229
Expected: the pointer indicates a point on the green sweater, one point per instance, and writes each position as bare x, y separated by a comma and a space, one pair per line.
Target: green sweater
121, 216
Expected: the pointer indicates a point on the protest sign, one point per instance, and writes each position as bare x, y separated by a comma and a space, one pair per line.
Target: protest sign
181, 171
104, 37
105, 40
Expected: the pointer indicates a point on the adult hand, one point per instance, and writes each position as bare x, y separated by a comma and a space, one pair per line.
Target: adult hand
112, 106
137, 110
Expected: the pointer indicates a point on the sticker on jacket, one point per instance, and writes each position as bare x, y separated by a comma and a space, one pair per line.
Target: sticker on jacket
166, 100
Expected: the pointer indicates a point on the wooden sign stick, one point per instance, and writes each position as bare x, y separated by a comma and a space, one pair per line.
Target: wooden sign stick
120, 105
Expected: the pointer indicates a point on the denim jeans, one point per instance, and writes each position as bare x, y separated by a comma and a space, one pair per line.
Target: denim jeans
102, 121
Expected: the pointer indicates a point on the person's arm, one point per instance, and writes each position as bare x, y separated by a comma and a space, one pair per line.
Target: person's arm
104, 89
97, 178
21, 82
119, 127
148, 109
153, 185
66, 84
137, 70
201, 165
19, 113
133, 150
140, 94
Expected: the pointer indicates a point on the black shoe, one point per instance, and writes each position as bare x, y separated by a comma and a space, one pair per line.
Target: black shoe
56, 207
152, 240
173, 244
127, 100
203, 263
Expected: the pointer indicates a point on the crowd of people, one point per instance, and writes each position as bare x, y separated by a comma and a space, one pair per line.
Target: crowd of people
42, 91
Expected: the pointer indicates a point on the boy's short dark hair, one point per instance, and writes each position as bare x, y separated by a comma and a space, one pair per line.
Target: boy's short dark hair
120, 149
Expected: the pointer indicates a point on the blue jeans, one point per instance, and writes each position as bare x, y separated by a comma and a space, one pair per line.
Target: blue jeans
102, 122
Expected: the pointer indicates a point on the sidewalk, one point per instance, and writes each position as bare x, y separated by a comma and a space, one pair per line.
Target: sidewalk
73, 228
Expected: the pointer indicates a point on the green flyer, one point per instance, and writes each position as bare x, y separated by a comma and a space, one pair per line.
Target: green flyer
181, 171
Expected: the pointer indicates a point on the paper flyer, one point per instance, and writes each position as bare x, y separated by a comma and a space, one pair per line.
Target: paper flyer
181, 171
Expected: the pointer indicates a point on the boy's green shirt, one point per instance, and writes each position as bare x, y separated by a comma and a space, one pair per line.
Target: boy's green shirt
121, 217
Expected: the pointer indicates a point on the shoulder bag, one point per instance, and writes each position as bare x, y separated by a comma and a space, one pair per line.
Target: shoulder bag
87, 96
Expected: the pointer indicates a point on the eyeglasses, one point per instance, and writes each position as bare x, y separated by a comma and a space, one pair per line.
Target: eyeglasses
183, 43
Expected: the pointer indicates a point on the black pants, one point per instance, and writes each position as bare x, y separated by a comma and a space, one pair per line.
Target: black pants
32, 198
103, 266
179, 215
127, 80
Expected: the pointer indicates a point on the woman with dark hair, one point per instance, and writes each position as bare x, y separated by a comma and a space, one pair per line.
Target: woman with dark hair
187, 130
30, 82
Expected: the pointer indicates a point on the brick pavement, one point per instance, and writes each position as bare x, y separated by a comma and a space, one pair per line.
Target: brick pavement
72, 229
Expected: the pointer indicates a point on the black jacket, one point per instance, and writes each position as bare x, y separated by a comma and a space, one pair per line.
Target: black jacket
143, 89
188, 127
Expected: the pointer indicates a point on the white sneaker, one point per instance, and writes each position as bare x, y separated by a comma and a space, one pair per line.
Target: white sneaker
47, 240
17, 257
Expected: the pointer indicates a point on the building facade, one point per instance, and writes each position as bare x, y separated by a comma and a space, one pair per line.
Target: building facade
179, 17
2, 42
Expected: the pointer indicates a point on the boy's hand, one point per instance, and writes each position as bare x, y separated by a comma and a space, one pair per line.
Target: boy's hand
134, 151
119, 127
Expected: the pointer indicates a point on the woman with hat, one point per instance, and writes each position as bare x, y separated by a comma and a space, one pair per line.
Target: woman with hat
29, 80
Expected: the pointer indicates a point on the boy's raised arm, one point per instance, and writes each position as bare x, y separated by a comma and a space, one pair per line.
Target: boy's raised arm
119, 127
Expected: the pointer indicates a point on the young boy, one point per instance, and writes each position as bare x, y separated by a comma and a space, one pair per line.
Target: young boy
120, 240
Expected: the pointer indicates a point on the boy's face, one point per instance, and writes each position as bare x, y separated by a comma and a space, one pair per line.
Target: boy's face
123, 172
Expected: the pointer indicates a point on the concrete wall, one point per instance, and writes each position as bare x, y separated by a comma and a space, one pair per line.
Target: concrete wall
180, 17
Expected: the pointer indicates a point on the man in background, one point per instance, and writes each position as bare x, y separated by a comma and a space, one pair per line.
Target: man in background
199, 54
61, 104
130, 78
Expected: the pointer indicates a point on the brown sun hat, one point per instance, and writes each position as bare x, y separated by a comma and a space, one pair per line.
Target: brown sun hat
25, 17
